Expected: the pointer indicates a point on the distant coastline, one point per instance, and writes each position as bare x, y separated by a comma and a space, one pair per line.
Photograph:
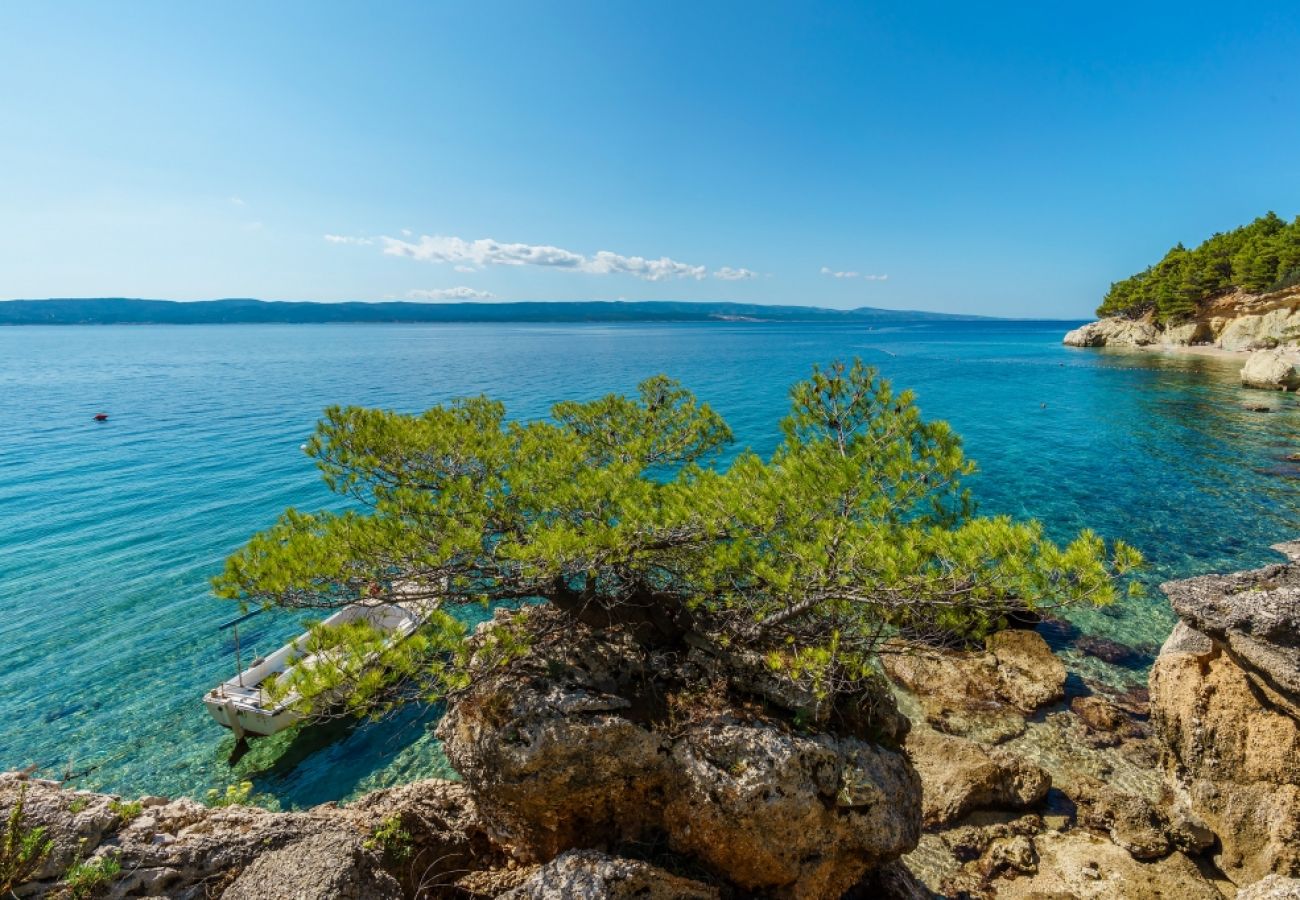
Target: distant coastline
130, 311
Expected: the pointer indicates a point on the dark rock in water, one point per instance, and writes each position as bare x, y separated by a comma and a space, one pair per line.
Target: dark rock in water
1059, 633
1257, 407
1113, 652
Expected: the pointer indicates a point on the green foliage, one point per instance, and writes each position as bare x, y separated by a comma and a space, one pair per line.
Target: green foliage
234, 795
127, 812
617, 511
22, 849
391, 839
89, 878
78, 805
1260, 257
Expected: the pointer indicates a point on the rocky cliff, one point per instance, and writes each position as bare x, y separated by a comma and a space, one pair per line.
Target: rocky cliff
1235, 321
1225, 696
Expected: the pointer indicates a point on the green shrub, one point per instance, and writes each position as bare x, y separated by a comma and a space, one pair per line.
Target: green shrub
22, 849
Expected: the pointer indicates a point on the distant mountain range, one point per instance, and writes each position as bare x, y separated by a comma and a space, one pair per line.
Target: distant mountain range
125, 311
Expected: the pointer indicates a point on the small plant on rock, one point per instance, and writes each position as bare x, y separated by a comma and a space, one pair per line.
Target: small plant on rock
126, 811
22, 849
234, 795
89, 878
390, 839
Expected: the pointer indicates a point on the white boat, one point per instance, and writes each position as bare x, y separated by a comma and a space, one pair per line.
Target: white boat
244, 706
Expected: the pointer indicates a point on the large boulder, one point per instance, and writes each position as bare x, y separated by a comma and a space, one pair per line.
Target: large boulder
1114, 332
597, 742
1225, 698
981, 694
959, 776
1272, 370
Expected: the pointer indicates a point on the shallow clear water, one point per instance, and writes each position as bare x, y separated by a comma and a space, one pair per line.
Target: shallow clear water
109, 532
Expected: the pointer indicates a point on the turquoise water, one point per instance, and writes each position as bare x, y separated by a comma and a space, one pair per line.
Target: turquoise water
109, 532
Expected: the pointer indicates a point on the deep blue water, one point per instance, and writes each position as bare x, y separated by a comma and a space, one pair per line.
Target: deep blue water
109, 532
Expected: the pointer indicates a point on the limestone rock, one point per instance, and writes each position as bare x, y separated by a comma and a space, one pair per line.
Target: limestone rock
808, 814
1269, 329
1114, 332
592, 875
326, 866
984, 695
1132, 822
593, 744
1225, 695
1081, 865
1273, 370
958, 776
185, 850
1186, 333
1273, 887
1238, 761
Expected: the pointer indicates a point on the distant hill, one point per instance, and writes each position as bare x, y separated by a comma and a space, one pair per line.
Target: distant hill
125, 311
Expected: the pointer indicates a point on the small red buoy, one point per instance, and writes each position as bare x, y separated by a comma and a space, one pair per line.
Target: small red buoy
101, 417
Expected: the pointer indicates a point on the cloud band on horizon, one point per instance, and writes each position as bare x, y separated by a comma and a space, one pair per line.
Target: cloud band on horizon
472, 256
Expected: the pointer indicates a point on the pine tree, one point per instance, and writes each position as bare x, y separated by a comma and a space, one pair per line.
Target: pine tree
618, 513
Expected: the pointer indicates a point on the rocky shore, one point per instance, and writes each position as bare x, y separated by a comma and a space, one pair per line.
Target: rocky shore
603, 769
1263, 328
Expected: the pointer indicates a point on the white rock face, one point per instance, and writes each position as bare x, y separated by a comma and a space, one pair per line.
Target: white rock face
1278, 326
1185, 334
1272, 370
1114, 333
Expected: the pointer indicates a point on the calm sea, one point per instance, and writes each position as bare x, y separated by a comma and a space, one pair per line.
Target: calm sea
109, 532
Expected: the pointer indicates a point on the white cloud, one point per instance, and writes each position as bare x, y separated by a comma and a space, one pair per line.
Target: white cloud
477, 254
455, 293
237, 201
826, 270
345, 239
727, 273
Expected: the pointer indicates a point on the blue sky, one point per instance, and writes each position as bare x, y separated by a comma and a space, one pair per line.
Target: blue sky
992, 158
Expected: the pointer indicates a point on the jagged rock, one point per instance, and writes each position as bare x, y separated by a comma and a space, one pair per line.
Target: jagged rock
771, 809
1273, 887
980, 694
1270, 329
596, 741
1187, 333
1132, 822
327, 866
1225, 700
591, 875
1114, 332
1273, 370
186, 850
1255, 615
958, 775
1078, 864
